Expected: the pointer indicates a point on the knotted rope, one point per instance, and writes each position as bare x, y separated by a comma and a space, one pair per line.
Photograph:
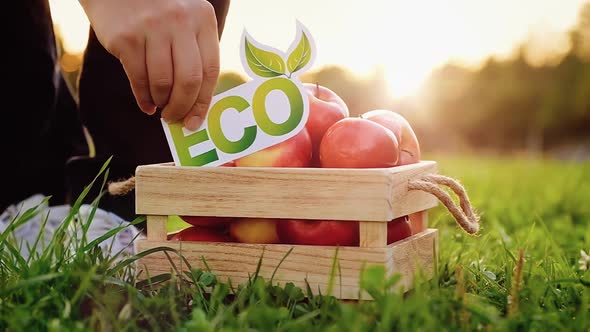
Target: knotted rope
122, 187
465, 216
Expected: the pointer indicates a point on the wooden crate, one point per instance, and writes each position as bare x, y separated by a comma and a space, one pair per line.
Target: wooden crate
371, 196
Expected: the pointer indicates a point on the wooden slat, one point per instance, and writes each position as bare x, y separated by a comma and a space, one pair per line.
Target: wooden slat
372, 234
301, 193
416, 253
350, 292
156, 228
404, 202
313, 264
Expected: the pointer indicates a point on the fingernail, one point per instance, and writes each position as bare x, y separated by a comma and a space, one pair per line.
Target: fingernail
193, 123
149, 109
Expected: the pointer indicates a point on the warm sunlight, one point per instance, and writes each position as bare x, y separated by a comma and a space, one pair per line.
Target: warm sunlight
408, 39
72, 24
410, 57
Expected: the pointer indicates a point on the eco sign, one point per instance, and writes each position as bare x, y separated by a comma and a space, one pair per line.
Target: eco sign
265, 111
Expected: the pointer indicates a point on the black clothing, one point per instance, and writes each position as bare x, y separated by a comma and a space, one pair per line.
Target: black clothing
50, 154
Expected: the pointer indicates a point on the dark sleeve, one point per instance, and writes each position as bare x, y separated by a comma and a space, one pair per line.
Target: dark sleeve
221, 9
41, 128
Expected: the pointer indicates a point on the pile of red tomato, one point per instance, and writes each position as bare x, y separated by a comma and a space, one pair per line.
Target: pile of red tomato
330, 139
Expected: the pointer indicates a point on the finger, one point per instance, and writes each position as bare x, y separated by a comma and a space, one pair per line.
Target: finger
188, 73
195, 117
133, 61
209, 48
159, 67
208, 43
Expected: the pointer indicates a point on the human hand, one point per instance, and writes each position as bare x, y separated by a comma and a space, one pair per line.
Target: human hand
169, 50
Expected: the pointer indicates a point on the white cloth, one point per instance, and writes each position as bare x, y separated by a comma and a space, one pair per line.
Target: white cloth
102, 222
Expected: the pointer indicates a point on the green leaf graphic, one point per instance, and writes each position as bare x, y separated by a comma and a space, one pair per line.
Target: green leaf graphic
300, 55
264, 63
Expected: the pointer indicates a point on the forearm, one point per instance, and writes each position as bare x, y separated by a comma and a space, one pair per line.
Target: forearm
221, 9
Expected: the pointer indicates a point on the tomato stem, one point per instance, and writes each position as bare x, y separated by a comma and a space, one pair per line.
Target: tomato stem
409, 152
317, 90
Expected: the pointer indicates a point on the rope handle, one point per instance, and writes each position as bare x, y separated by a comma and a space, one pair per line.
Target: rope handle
465, 216
121, 188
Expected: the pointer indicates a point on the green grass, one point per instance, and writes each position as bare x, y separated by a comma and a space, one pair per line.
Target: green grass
538, 208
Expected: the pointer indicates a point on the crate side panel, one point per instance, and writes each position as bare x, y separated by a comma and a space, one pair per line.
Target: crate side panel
415, 254
266, 193
237, 261
403, 201
347, 292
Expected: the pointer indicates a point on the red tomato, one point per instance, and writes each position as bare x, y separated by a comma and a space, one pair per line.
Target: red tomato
416, 220
229, 164
325, 109
319, 232
201, 234
294, 152
210, 222
358, 143
398, 229
254, 230
400, 127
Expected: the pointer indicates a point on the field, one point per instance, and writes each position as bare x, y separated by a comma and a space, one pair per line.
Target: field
522, 273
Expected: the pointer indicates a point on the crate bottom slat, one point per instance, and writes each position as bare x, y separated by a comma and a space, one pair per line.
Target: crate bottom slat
236, 261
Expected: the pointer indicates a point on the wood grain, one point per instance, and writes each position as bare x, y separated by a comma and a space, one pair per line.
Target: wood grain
301, 193
156, 228
372, 234
311, 264
403, 201
418, 254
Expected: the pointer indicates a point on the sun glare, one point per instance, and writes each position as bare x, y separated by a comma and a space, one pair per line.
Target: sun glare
418, 40
406, 81
72, 23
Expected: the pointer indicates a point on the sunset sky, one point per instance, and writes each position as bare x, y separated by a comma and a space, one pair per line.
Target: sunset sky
408, 38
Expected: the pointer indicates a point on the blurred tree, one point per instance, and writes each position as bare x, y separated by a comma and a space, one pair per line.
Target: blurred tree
580, 35
359, 94
511, 105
